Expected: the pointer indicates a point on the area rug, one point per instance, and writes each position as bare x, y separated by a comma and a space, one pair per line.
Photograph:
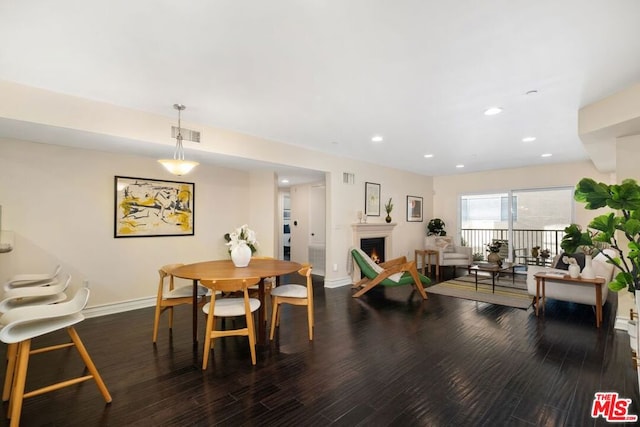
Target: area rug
506, 292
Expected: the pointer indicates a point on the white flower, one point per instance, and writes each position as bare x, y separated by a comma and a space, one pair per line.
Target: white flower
242, 236
569, 260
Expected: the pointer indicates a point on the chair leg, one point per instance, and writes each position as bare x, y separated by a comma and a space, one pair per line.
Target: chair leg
207, 339
12, 353
17, 392
89, 363
310, 320
252, 337
170, 317
274, 317
156, 323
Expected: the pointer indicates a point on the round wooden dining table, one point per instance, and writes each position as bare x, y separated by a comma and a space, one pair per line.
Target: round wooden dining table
224, 269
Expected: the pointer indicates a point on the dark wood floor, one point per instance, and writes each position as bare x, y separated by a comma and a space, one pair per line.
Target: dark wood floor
385, 359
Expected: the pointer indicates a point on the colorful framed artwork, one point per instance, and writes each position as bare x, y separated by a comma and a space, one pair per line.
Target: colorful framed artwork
152, 208
371, 199
414, 209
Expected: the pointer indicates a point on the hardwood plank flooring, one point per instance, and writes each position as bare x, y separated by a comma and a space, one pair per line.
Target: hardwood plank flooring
385, 359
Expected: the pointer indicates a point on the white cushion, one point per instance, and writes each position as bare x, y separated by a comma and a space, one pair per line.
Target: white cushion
185, 291
455, 255
292, 291
444, 244
231, 307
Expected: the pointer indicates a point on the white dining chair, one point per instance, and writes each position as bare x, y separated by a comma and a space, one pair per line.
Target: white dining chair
20, 325
35, 295
37, 279
295, 295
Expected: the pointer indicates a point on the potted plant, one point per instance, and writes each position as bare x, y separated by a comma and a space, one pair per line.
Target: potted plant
435, 227
388, 207
618, 230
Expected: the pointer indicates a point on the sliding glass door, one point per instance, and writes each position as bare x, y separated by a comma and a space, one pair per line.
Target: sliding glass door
522, 220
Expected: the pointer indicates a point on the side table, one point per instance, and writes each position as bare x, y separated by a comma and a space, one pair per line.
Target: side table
597, 283
428, 253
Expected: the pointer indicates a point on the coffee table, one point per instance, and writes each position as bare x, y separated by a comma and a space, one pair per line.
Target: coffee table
494, 270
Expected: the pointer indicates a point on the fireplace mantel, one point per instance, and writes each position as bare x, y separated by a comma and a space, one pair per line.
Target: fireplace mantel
373, 228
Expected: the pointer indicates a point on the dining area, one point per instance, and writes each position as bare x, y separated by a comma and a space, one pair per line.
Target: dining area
219, 289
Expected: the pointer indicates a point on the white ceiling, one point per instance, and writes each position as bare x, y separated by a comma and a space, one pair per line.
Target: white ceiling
330, 74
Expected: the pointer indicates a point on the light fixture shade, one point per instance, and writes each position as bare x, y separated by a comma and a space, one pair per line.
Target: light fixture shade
178, 167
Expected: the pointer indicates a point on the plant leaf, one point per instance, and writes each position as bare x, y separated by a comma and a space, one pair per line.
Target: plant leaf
593, 194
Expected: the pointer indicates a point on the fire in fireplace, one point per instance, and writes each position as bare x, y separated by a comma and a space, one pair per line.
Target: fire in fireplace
374, 247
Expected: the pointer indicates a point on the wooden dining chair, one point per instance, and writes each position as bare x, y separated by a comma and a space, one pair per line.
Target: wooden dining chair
230, 307
294, 295
169, 296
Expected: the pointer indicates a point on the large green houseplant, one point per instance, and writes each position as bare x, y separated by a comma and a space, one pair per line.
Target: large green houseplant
609, 229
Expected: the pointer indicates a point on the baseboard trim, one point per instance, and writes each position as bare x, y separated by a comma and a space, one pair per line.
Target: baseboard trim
118, 307
339, 282
121, 307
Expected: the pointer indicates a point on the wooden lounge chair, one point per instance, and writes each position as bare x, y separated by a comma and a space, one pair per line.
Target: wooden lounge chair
396, 272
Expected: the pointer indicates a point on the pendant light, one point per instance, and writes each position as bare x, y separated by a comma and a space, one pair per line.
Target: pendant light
178, 165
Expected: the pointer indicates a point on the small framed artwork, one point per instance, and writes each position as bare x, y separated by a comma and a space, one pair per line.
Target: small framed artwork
151, 208
414, 209
371, 199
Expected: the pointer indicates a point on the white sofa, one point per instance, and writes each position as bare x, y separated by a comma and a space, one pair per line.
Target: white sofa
449, 254
581, 294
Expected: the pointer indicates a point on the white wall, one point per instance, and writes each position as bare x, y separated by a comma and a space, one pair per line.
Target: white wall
60, 204
263, 196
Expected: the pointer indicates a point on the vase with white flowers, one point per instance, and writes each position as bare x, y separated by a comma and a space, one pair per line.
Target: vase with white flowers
242, 244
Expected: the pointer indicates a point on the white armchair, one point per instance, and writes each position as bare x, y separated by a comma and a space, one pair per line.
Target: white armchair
449, 254
581, 294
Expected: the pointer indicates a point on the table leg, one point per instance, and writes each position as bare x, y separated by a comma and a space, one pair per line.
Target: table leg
493, 282
262, 330
476, 271
537, 295
195, 312
415, 259
598, 305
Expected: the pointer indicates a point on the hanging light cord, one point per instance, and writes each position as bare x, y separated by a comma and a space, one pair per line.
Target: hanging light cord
179, 153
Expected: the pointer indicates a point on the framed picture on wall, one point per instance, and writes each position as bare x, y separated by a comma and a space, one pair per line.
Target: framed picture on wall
414, 209
150, 208
371, 199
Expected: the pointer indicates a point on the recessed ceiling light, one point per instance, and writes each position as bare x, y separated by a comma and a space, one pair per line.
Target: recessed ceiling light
428, 156
285, 181
492, 111
528, 139
546, 155
460, 166
376, 138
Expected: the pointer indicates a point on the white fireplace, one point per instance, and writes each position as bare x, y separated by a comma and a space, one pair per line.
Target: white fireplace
369, 231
